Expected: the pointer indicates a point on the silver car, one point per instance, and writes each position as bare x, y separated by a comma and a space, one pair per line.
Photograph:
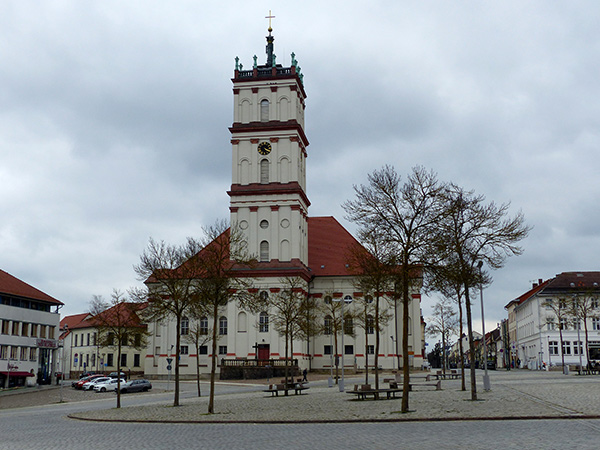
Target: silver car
109, 385
136, 386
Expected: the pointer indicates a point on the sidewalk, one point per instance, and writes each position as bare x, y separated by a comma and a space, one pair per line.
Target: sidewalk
516, 394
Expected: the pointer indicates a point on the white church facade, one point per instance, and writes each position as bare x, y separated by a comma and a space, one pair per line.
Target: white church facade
269, 204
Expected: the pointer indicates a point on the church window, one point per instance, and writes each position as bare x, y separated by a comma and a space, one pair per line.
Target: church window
348, 326
370, 324
328, 299
263, 322
223, 326
369, 299
264, 224
264, 171
264, 251
284, 170
264, 111
204, 325
328, 325
264, 296
242, 321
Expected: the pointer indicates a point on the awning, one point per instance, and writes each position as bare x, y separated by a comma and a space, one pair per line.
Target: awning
18, 374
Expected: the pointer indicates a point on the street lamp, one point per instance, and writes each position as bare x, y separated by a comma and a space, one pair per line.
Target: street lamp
347, 299
486, 377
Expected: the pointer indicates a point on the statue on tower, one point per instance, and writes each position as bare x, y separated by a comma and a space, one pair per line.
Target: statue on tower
270, 40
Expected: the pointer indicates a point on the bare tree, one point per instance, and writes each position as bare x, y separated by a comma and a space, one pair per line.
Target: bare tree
585, 305
473, 231
444, 323
373, 277
199, 335
562, 313
330, 312
406, 213
118, 325
170, 274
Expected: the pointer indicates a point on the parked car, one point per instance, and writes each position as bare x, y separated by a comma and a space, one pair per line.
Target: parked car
79, 384
109, 385
136, 386
89, 385
116, 375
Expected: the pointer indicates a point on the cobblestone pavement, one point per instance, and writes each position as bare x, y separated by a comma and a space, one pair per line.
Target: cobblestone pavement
514, 394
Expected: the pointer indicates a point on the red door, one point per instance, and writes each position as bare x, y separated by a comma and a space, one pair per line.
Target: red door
263, 351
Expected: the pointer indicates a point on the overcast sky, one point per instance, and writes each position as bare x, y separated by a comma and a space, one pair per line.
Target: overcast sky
115, 114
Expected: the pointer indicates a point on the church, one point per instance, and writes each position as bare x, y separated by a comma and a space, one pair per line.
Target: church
269, 204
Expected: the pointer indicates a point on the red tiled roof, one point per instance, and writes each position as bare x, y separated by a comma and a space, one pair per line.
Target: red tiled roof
122, 313
13, 286
72, 321
328, 245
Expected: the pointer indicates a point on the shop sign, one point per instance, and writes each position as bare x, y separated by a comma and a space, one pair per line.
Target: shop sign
46, 343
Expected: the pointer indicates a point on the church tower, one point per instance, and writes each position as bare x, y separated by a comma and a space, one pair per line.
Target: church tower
268, 201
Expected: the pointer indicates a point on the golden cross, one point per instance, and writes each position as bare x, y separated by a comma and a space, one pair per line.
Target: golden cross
270, 17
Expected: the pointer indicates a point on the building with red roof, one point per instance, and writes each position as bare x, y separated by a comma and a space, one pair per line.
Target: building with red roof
542, 323
28, 333
269, 207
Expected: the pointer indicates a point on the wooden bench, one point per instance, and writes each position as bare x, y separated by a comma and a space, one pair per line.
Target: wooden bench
274, 390
439, 375
436, 384
365, 390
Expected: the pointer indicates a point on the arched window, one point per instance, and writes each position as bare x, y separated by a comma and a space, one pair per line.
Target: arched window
264, 251
204, 325
328, 325
242, 322
370, 324
185, 326
223, 325
264, 171
328, 299
263, 322
369, 298
264, 111
264, 296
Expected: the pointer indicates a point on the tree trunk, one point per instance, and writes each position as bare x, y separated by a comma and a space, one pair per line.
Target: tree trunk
213, 367
471, 343
376, 360
405, 314
198, 366
460, 347
119, 373
366, 345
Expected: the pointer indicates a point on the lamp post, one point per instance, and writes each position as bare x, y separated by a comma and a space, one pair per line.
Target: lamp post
578, 346
486, 377
549, 355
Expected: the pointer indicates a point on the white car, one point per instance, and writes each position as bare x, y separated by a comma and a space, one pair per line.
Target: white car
109, 385
90, 384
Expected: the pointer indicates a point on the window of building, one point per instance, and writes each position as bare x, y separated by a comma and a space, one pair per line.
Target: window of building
136, 360
50, 332
327, 300
566, 348
369, 299
124, 339
15, 328
328, 350
223, 325
157, 351
263, 322
75, 340
137, 340
370, 324
88, 340
578, 348
157, 327
264, 111
370, 349
564, 324
264, 251
264, 177
13, 352
75, 360
328, 325
3, 351
93, 360
23, 354
110, 339
34, 329
242, 322
184, 350
553, 347
348, 349
185, 326
348, 326
596, 324
5, 326
43, 331
124, 360
548, 303
204, 325
109, 359
32, 354
25, 329
577, 324
203, 350
222, 350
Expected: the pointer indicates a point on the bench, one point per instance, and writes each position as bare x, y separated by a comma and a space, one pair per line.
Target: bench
365, 390
436, 384
453, 374
274, 390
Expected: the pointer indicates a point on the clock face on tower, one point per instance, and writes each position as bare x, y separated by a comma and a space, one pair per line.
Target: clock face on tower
264, 148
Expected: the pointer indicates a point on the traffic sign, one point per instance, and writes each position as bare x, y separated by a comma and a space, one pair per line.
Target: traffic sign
169, 360
169, 367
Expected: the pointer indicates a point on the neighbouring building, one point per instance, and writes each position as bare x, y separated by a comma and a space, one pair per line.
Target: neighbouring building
28, 333
535, 327
83, 350
269, 204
